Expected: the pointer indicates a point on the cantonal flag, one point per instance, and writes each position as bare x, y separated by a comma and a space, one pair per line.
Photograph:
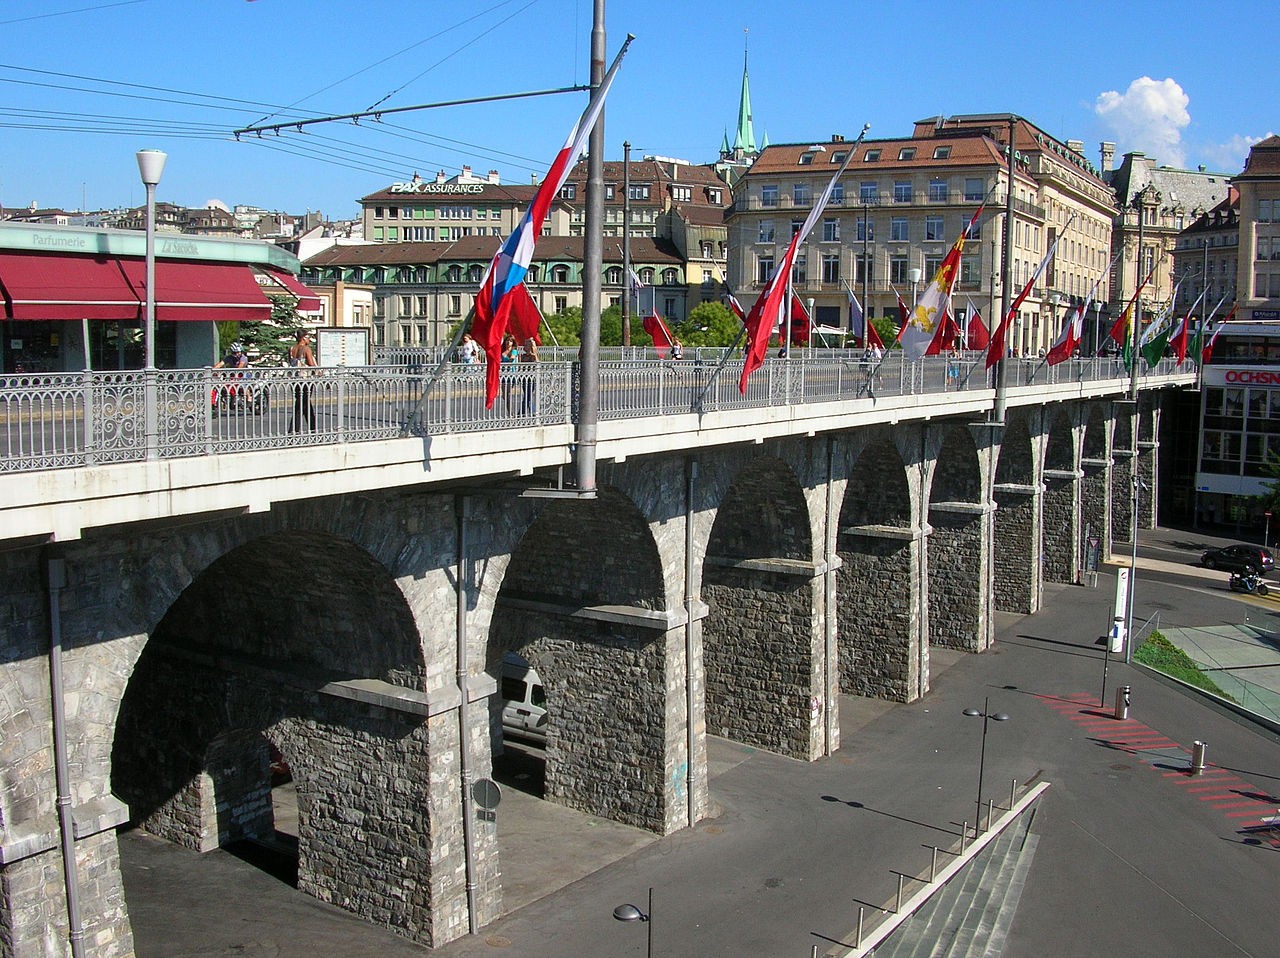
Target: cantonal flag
922, 328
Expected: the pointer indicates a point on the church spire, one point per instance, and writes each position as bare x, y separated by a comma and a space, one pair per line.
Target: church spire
745, 140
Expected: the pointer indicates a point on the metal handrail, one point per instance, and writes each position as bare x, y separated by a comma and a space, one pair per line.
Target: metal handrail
68, 420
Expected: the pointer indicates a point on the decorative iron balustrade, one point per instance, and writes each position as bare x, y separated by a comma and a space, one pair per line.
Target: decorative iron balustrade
61, 420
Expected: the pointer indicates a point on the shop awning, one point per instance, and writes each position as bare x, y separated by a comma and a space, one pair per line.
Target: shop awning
201, 291
38, 286
308, 302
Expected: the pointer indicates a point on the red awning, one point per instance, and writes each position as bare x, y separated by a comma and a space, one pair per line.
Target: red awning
202, 291
308, 302
61, 287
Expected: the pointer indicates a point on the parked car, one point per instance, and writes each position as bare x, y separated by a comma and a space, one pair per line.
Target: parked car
524, 705
1239, 558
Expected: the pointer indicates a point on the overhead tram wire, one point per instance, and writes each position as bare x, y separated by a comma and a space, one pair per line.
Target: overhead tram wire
389, 57
349, 163
379, 113
476, 39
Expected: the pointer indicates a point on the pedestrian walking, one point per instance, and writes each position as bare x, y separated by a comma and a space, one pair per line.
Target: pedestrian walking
300, 355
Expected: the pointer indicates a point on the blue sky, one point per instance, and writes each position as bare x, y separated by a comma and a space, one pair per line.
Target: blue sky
1188, 84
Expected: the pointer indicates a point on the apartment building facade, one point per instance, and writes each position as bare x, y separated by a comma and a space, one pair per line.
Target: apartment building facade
901, 204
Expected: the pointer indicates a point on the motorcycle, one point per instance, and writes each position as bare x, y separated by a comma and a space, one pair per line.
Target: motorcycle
1248, 582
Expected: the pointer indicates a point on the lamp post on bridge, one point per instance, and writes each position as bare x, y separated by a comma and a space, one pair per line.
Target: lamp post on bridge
150, 168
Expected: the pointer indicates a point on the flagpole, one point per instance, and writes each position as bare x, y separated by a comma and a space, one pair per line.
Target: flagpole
1006, 281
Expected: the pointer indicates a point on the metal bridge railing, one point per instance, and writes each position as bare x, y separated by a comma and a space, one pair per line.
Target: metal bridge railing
62, 420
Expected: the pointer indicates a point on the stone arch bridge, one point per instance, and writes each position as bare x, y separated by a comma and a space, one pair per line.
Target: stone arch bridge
733, 587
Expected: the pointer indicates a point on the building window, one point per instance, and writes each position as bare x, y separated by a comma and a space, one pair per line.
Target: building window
831, 231
380, 307
639, 191
907, 153
865, 231
455, 305
902, 191
768, 196
393, 234
871, 156
861, 272
669, 308
422, 306
646, 275
830, 267
377, 212
764, 268
454, 274
708, 277
795, 226
931, 264
942, 152
868, 193
715, 196
475, 274
406, 334
422, 334
937, 191
560, 274
378, 236
682, 194
933, 228
801, 194
765, 232
608, 191
670, 277
806, 159
837, 193
560, 303
406, 305
569, 191
897, 269
706, 249
898, 232
800, 269
1264, 211
613, 276
838, 158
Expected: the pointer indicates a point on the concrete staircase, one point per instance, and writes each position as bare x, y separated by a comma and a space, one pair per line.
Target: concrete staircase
970, 917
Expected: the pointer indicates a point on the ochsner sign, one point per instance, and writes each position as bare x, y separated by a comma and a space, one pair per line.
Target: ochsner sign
1253, 377
437, 187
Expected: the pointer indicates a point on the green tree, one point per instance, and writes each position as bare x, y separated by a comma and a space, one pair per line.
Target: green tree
1271, 497
887, 329
566, 326
709, 324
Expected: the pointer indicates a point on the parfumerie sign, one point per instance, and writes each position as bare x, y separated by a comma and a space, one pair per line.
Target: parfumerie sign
437, 188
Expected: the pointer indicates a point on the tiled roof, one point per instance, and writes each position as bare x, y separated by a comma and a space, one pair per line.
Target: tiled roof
1264, 158
480, 249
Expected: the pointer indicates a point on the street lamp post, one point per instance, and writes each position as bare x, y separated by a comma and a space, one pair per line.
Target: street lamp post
150, 167
987, 716
632, 913
914, 274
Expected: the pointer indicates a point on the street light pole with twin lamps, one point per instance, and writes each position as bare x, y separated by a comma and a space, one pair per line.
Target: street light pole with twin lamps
986, 715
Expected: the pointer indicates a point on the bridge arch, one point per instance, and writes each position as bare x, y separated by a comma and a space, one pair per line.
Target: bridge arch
255, 651
761, 639
879, 588
1095, 476
1018, 579
958, 545
583, 600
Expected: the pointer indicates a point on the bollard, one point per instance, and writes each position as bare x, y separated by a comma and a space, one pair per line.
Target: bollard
858, 941
1197, 757
1122, 702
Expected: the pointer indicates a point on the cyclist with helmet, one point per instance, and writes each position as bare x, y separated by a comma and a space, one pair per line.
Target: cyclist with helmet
234, 359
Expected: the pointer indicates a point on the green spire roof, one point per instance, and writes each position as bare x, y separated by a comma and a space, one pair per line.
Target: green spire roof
746, 138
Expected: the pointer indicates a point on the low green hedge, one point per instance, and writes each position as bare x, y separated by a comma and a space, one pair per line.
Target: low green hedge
1163, 656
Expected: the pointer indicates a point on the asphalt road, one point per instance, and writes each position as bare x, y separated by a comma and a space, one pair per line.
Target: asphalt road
1136, 857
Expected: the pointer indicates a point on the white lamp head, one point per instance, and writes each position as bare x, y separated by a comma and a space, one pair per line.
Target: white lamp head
151, 165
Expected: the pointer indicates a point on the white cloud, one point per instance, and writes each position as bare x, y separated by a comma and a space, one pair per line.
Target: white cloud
1149, 116
1229, 157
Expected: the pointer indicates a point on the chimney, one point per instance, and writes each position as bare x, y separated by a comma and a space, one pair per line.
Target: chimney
1076, 146
466, 172
494, 177
1108, 156
439, 176
837, 138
